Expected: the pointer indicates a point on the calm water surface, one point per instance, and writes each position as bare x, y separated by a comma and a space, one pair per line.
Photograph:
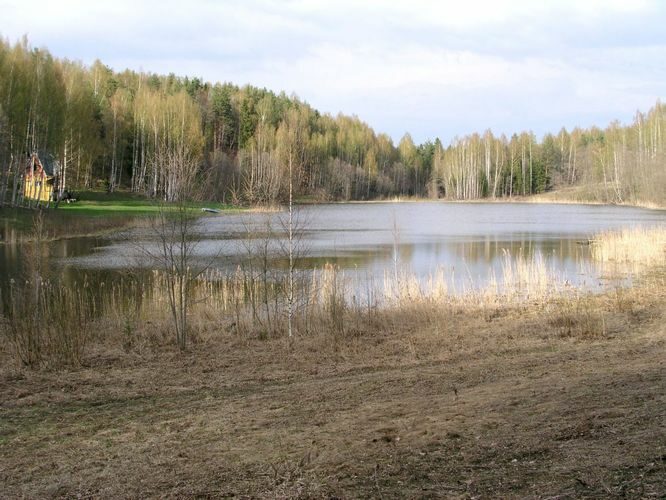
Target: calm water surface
467, 241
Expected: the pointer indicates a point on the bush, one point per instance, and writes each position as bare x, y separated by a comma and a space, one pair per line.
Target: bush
47, 325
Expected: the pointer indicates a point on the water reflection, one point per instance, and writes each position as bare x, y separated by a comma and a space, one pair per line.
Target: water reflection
469, 242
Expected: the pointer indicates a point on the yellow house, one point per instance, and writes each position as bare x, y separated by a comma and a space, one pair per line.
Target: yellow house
40, 178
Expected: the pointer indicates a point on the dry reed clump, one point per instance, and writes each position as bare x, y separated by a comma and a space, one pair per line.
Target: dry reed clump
631, 249
401, 287
528, 276
522, 278
43, 323
329, 301
331, 293
135, 312
50, 325
578, 316
47, 324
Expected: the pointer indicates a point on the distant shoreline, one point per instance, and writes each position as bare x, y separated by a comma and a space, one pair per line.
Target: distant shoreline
533, 200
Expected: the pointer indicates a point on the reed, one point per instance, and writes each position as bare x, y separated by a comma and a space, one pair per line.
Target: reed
50, 325
630, 249
330, 299
47, 324
529, 276
577, 316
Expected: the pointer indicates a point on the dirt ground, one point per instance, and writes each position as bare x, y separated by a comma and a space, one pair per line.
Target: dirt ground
513, 402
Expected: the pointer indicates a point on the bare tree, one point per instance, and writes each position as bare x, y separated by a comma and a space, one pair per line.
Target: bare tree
173, 227
292, 148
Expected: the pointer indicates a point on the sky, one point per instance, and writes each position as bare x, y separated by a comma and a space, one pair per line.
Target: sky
427, 67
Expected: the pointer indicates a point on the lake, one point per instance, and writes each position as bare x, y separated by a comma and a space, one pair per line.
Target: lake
466, 242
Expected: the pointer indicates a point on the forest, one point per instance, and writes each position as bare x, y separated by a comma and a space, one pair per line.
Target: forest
157, 134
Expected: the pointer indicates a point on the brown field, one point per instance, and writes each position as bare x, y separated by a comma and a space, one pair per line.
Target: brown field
556, 399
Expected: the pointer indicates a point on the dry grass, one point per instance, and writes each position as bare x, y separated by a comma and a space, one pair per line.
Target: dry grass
46, 325
640, 246
592, 194
559, 398
253, 303
578, 317
511, 391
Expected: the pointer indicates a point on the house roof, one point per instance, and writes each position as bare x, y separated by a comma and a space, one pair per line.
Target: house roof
49, 163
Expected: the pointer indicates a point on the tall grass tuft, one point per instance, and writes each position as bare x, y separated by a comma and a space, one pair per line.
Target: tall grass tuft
47, 324
528, 276
577, 316
638, 247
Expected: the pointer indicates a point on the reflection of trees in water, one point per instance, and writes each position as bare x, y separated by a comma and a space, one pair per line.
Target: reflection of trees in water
8, 231
489, 250
468, 262
365, 246
29, 261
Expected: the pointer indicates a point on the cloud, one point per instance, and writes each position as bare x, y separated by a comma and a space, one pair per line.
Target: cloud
435, 68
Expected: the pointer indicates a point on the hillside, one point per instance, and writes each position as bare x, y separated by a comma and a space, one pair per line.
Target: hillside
151, 133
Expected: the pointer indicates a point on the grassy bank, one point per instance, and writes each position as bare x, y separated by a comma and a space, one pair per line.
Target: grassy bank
19, 225
536, 394
594, 194
561, 399
97, 212
120, 203
580, 195
94, 212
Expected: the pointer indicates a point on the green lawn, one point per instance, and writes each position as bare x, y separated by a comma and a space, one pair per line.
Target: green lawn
96, 203
94, 212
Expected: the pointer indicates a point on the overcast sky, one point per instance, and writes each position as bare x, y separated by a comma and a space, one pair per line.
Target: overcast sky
431, 68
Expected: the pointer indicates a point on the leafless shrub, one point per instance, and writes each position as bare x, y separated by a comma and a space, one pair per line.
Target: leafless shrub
46, 324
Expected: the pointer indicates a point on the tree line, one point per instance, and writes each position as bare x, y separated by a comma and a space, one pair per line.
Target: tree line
154, 133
